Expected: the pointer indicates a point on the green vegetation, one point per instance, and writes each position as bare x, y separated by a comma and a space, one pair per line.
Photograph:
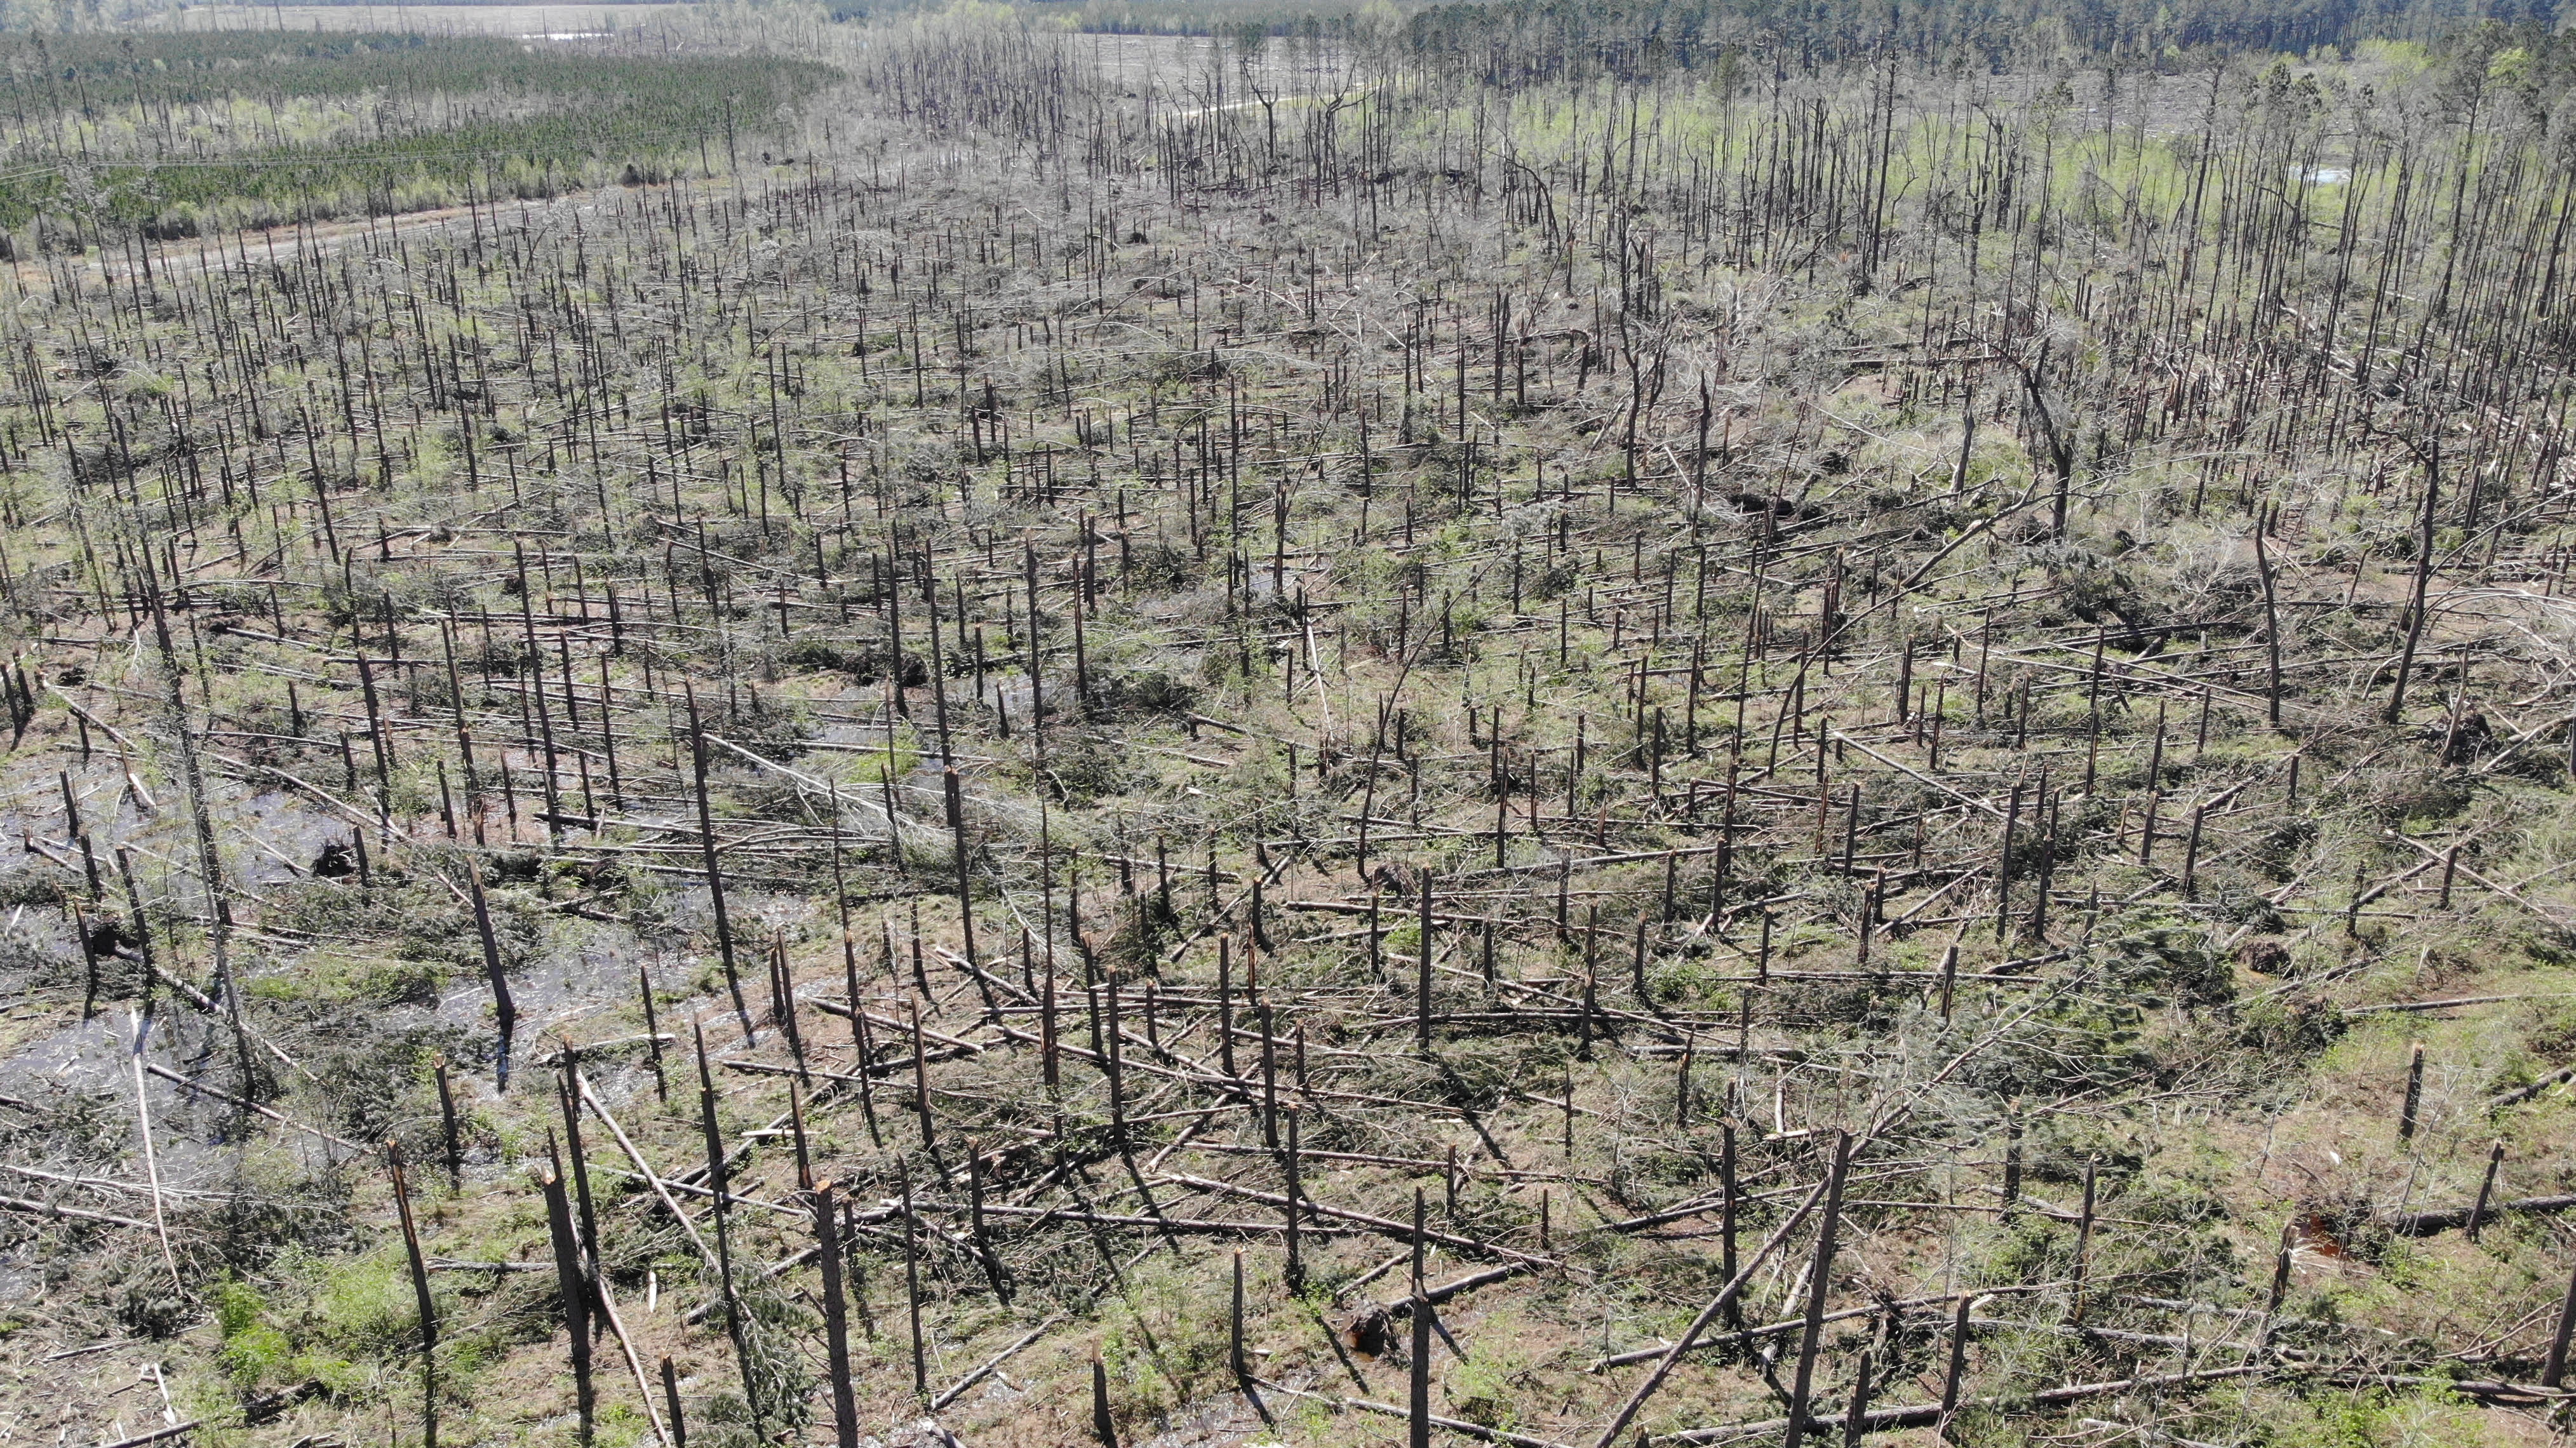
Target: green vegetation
176, 134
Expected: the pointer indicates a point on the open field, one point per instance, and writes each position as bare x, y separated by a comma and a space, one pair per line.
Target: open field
1401, 732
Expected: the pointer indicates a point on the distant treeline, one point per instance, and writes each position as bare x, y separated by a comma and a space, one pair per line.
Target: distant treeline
1532, 40
93, 70
1524, 40
1203, 17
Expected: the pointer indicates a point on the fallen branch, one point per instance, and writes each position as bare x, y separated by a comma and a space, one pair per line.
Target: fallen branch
2425, 1224
643, 1168
1450, 1425
2520, 1094
158, 1434
985, 1370
166, 1074
1924, 1415
1387, 1226
48, 1209
1717, 1304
